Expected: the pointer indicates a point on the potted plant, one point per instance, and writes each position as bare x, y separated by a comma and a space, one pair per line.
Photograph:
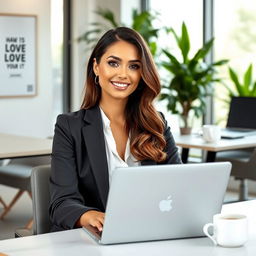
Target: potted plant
246, 88
141, 22
192, 79
241, 86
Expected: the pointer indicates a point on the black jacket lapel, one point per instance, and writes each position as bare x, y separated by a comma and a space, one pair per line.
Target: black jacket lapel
95, 144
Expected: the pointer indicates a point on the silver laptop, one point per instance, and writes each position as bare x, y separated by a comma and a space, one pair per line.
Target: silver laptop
148, 203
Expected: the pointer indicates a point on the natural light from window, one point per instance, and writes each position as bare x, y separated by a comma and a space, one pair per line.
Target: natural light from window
235, 39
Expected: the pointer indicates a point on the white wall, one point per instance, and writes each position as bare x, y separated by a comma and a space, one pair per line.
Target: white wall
31, 116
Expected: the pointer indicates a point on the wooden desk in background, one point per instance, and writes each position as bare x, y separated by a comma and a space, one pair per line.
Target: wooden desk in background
15, 146
196, 141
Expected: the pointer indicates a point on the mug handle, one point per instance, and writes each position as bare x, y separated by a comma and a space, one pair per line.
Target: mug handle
205, 229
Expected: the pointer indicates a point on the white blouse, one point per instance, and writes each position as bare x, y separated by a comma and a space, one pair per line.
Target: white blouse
113, 158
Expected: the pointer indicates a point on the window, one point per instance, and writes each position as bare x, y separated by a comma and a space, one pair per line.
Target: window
171, 14
235, 39
57, 56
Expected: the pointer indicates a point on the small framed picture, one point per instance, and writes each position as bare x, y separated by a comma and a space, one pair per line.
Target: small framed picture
18, 62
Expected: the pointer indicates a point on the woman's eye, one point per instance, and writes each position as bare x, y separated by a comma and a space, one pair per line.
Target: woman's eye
134, 66
113, 63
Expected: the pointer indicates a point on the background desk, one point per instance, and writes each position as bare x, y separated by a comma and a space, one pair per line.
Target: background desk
77, 242
14, 146
196, 141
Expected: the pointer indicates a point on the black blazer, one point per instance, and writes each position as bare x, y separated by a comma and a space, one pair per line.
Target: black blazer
79, 177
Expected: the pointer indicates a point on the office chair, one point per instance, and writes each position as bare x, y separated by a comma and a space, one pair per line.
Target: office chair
243, 167
40, 176
3, 203
41, 198
17, 174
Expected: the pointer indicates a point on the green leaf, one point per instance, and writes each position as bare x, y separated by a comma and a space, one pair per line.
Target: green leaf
253, 91
236, 82
170, 67
140, 19
153, 47
134, 13
230, 91
171, 57
248, 79
220, 62
184, 42
201, 53
142, 22
163, 96
96, 24
86, 35
175, 36
92, 40
107, 15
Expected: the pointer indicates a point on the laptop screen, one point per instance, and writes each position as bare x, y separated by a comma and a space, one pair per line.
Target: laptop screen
242, 113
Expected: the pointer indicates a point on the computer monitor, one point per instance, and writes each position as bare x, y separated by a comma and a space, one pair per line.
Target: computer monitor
242, 113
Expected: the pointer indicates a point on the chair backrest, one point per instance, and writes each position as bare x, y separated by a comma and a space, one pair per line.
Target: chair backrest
40, 198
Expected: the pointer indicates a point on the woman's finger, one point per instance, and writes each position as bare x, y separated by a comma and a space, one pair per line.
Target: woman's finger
101, 220
98, 225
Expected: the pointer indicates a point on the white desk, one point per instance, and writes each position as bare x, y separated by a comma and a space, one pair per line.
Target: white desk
196, 141
13, 146
77, 242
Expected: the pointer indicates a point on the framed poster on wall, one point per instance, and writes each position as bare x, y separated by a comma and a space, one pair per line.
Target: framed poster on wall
18, 46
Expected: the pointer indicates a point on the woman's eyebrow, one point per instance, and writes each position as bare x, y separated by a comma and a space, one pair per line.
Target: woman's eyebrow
119, 59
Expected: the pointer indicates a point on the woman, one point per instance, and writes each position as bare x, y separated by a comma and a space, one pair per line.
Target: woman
116, 126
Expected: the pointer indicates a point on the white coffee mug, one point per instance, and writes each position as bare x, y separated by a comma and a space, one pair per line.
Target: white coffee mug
229, 230
211, 133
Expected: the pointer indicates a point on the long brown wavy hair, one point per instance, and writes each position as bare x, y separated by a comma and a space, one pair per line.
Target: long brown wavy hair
143, 122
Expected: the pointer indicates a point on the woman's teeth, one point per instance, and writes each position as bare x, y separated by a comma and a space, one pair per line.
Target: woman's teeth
120, 85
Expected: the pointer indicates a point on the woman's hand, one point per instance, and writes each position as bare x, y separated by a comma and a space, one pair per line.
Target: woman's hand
93, 218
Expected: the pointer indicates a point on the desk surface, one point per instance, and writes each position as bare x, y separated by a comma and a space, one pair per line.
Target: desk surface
196, 141
12, 146
77, 242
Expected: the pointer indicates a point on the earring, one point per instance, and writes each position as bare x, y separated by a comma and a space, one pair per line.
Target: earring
96, 80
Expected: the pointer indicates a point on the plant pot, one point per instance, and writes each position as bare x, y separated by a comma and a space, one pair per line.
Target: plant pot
185, 130
185, 123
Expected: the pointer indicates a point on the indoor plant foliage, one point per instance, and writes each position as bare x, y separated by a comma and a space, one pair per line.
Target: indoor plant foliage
192, 79
141, 22
246, 88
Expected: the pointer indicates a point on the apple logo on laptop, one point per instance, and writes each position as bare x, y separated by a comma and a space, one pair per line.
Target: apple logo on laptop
165, 205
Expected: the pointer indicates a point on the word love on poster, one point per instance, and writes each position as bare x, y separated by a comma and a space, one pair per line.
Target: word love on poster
15, 52
17, 55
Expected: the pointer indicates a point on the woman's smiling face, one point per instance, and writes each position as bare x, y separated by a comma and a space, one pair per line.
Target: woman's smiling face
119, 71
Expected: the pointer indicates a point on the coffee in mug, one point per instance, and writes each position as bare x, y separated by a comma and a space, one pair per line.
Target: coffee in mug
229, 230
